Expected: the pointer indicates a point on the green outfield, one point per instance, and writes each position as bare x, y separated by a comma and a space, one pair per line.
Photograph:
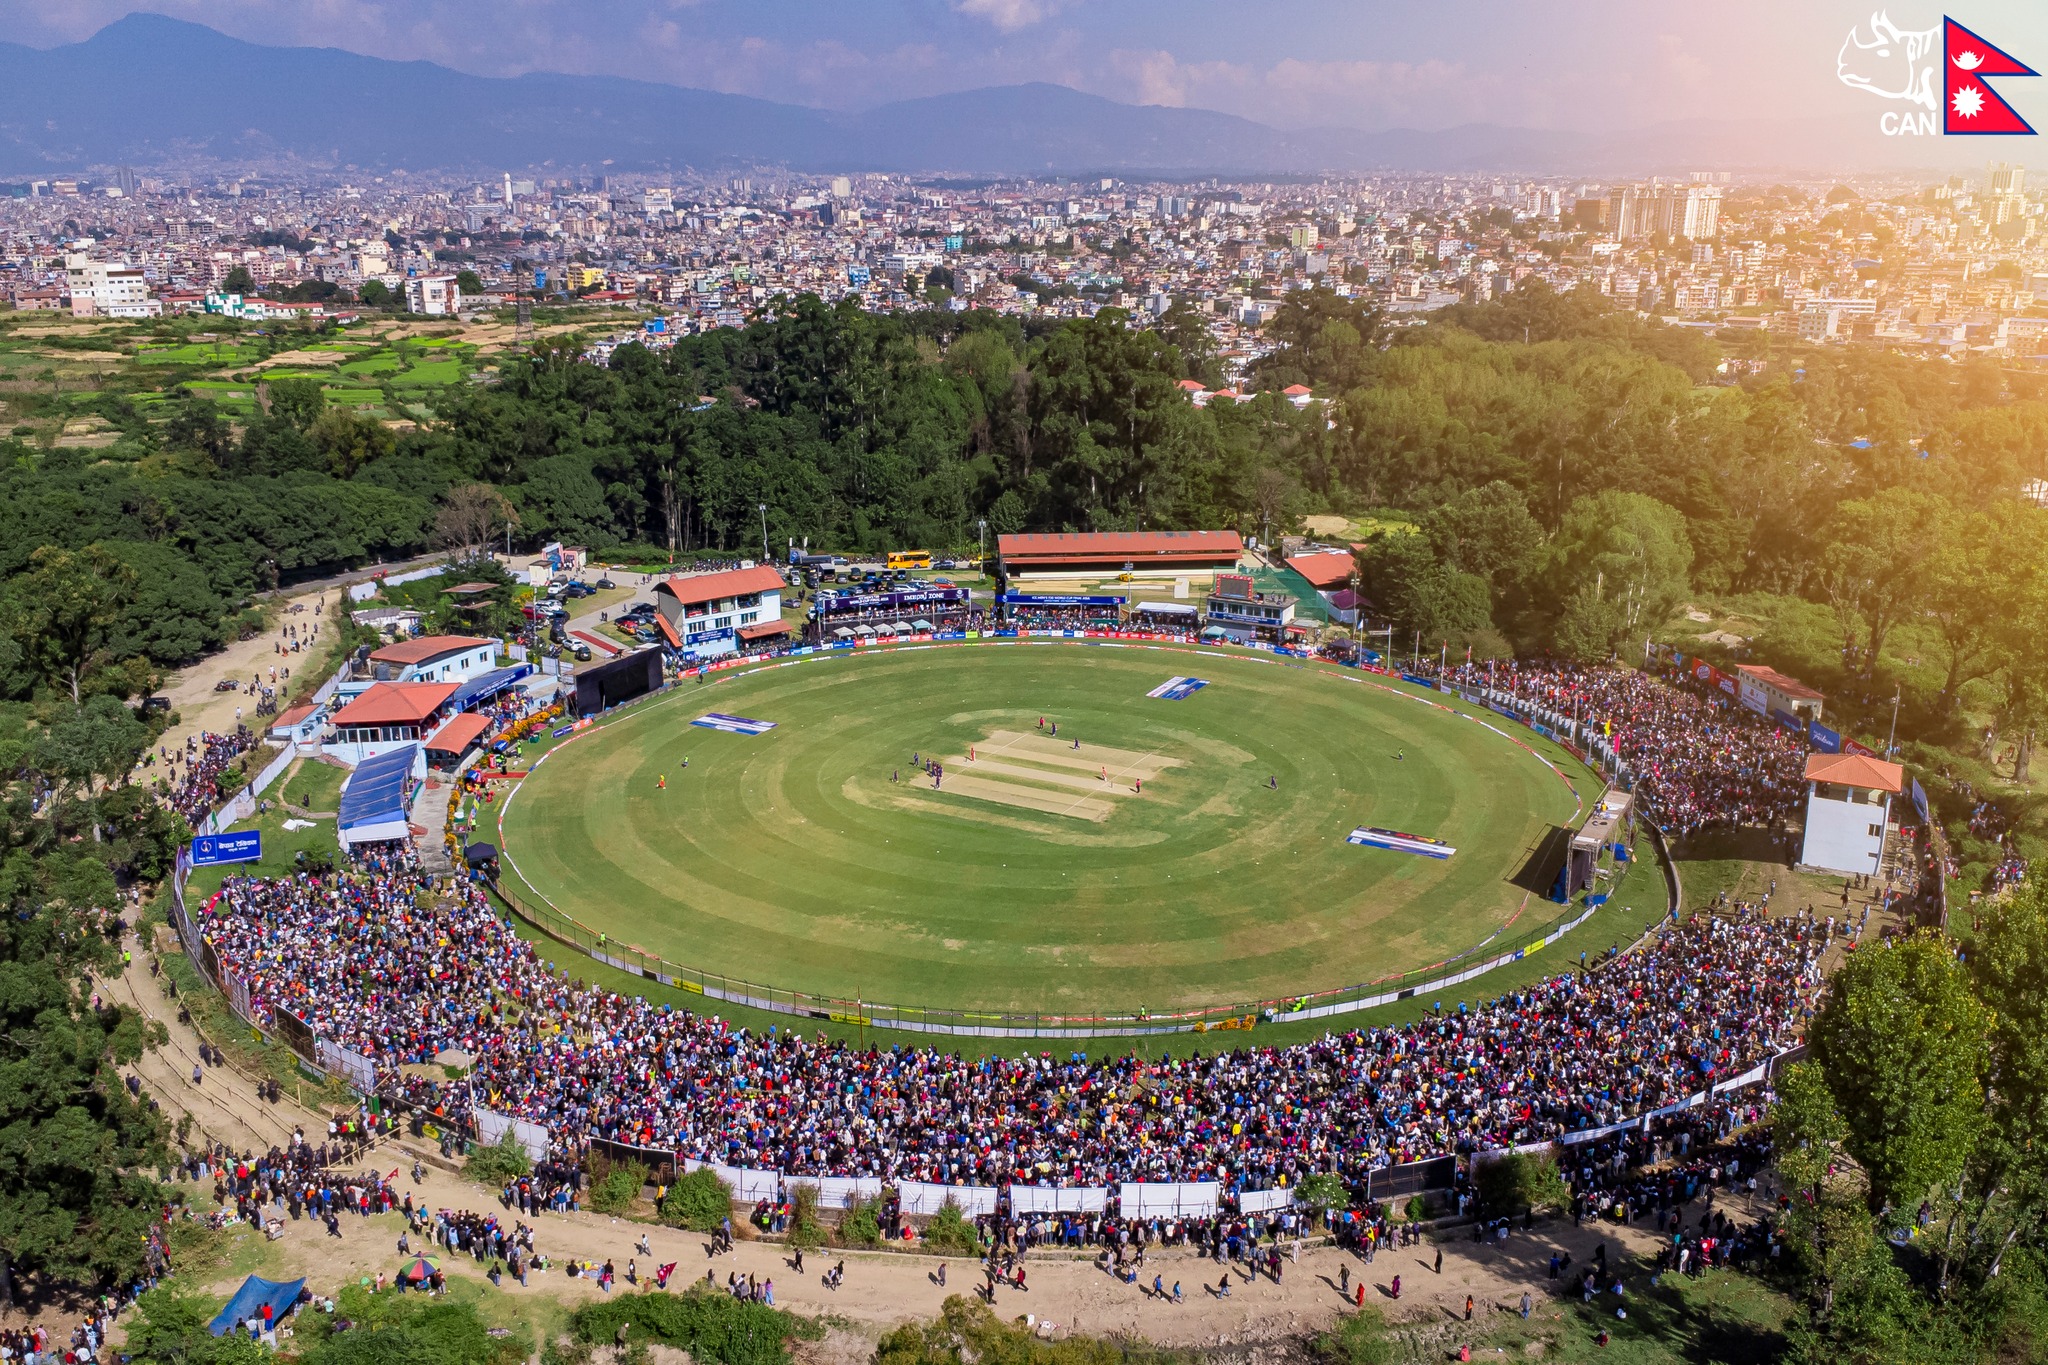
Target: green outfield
1188, 853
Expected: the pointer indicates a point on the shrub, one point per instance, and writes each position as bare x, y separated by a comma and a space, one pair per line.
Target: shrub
716, 1329
1323, 1191
1517, 1182
699, 1201
804, 1228
406, 1329
498, 1165
949, 1231
1418, 1209
1358, 1339
861, 1224
615, 1185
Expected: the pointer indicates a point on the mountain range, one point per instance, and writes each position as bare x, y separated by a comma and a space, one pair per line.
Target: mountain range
150, 90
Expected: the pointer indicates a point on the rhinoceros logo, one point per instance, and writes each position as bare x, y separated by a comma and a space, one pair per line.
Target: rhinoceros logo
1891, 62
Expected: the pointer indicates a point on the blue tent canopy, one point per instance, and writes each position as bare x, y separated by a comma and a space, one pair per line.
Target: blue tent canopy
249, 1300
485, 685
373, 800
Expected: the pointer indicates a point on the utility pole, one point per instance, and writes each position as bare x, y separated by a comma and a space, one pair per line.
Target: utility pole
1891, 746
981, 559
766, 558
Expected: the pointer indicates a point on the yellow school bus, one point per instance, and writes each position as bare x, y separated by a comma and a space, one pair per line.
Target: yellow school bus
910, 559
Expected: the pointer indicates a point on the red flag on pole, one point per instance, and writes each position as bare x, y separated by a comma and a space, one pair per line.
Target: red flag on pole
1969, 104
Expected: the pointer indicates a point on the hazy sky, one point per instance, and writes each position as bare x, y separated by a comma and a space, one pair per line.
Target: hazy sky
1583, 64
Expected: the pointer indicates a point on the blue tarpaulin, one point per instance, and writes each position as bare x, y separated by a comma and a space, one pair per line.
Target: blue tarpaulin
486, 685
249, 1300
373, 802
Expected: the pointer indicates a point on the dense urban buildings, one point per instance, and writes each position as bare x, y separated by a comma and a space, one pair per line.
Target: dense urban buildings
1943, 268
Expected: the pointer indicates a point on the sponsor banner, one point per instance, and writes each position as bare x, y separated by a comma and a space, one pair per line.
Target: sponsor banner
831, 604
1027, 599
241, 846
1850, 746
1826, 740
733, 725
1177, 689
1753, 697
1707, 675
1398, 842
1418, 680
1788, 720
1920, 800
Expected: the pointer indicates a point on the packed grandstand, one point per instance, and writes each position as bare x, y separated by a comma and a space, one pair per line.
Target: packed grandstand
385, 963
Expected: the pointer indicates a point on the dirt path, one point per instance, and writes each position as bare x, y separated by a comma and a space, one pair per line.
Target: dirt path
224, 1105
191, 690
883, 1289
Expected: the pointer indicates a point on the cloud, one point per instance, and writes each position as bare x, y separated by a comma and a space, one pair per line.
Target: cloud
1007, 15
1293, 92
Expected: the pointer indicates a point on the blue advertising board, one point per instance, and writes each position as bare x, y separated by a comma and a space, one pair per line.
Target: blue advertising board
1029, 599
238, 846
1826, 740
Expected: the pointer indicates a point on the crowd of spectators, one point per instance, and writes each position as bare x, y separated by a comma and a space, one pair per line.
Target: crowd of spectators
1699, 760
386, 966
191, 784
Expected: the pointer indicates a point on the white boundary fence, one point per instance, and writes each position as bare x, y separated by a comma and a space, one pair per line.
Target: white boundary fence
922, 1199
491, 1129
1047, 1199
1168, 1200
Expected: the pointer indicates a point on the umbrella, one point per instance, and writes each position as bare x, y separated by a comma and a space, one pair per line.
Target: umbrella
477, 854
418, 1268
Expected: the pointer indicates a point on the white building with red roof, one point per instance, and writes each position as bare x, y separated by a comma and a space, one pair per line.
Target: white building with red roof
704, 615
1848, 811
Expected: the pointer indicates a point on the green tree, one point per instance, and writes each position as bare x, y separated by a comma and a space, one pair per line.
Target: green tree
1324, 340
350, 441
238, 281
66, 611
1875, 564
470, 283
74, 1204
295, 402
1903, 1044
1628, 551
2009, 968
376, 294
1487, 531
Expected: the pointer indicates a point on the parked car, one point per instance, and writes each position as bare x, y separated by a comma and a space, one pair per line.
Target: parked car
606, 583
